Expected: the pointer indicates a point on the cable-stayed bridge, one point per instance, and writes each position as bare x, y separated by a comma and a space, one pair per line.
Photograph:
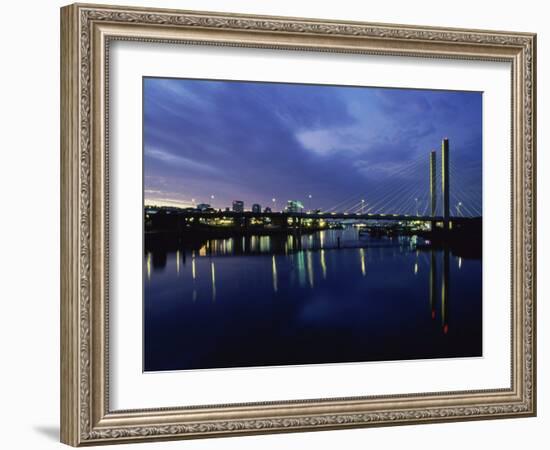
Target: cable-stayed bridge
441, 200
447, 191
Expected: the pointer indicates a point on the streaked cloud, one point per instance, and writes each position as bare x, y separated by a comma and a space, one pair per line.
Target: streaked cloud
333, 140
174, 159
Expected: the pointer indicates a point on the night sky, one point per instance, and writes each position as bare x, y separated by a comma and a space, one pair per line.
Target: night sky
258, 141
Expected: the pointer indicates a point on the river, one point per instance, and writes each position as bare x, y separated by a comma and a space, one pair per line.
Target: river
333, 296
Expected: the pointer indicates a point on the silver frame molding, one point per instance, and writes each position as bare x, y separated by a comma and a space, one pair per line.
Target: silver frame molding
86, 32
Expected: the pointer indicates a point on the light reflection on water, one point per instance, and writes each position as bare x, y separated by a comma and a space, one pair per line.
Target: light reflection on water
327, 239
272, 296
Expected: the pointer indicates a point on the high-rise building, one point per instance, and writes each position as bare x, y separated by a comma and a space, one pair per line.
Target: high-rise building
203, 206
238, 206
294, 206
256, 208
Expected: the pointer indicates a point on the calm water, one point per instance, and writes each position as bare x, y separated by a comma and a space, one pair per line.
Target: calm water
259, 301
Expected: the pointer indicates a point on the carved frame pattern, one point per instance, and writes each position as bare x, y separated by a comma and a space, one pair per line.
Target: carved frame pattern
86, 418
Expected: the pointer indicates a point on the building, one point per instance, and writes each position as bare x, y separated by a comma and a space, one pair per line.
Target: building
203, 206
267, 209
256, 208
238, 206
294, 206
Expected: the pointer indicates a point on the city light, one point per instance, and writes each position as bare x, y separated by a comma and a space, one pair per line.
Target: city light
458, 212
241, 217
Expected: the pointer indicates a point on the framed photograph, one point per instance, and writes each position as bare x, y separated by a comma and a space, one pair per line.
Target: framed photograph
275, 224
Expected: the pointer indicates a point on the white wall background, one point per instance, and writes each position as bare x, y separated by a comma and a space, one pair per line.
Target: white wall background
29, 222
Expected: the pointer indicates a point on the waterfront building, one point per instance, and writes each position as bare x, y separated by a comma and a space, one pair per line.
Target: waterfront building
256, 208
294, 206
267, 209
203, 206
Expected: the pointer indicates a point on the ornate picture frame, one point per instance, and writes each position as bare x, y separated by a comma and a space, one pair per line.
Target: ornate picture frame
87, 32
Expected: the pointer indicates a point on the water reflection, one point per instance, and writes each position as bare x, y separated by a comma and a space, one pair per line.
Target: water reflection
213, 271
310, 269
363, 265
302, 257
323, 262
274, 272
148, 265
433, 283
323, 294
445, 283
301, 267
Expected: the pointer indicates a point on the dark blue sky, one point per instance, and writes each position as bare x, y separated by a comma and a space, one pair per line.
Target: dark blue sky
258, 141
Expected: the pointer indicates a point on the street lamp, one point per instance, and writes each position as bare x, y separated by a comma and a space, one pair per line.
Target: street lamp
274, 206
416, 200
309, 196
459, 204
362, 206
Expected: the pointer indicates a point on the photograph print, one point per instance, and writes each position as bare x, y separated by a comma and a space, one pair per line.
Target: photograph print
295, 224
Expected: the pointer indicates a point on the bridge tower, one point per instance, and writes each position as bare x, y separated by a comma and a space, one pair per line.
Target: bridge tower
445, 181
433, 190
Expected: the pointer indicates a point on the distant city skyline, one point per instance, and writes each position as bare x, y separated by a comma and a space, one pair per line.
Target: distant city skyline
216, 142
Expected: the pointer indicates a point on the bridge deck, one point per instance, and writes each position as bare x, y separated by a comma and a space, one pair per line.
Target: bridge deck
316, 216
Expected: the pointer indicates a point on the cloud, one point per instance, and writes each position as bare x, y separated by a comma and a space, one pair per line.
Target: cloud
177, 91
179, 161
167, 201
383, 170
326, 141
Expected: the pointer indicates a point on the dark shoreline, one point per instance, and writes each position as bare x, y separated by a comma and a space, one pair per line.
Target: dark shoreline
460, 244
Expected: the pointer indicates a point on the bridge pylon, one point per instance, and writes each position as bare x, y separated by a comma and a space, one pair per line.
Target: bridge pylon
445, 181
433, 188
